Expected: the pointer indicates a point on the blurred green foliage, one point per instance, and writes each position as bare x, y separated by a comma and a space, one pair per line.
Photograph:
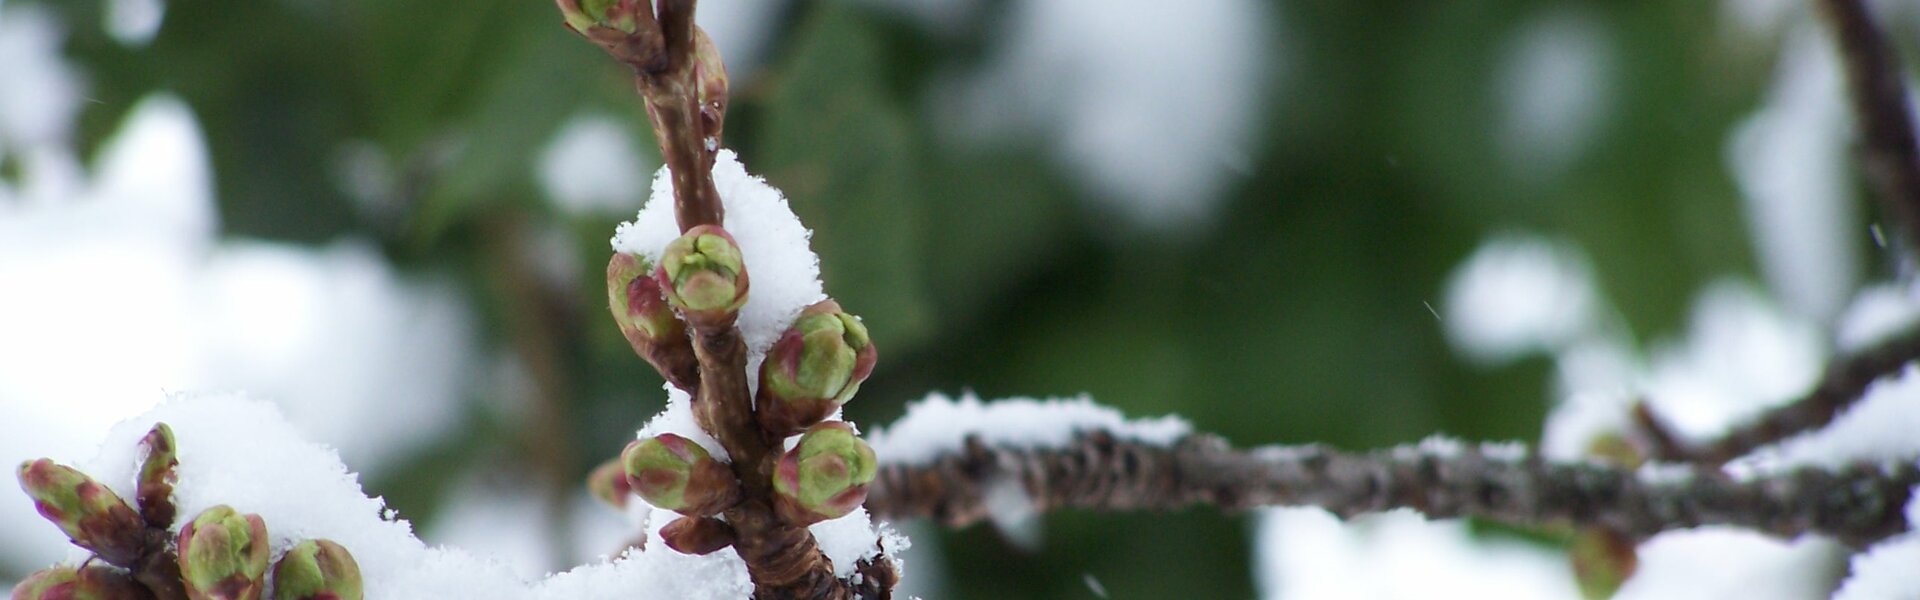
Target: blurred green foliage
1300, 317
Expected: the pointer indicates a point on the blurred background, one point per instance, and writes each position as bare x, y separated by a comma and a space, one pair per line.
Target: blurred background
1357, 223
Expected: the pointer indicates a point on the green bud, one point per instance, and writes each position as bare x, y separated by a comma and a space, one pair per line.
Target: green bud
674, 473
608, 482
698, 536
584, 15
89, 513
223, 555
648, 322
825, 476
52, 583
92, 582
813, 369
1615, 448
157, 466
704, 275
1603, 560
317, 570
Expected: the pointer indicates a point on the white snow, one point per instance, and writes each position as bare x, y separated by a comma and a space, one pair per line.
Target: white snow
1152, 104
134, 23
1719, 562
42, 95
593, 166
1792, 161
783, 271
939, 425
1879, 428
1886, 570
1741, 356
1876, 312
1556, 85
1518, 294
1307, 553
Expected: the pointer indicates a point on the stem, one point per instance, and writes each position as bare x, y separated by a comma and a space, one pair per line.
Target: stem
1888, 151
1842, 385
159, 568
1097, 471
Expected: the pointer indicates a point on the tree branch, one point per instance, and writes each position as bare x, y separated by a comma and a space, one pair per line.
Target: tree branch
1843, 384
1889, 154
1099, 472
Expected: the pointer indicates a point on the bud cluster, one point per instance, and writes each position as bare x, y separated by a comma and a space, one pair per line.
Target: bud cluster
221, 554
810, 372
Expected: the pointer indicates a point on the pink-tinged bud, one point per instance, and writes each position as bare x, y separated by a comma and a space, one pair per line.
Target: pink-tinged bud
825, 476
317, 570
674, 473
698, 536
1602, 561
813, 369
619, 15
158, 464
608, 482
89, 513
223, 555
646, 319
92, 582
705, 276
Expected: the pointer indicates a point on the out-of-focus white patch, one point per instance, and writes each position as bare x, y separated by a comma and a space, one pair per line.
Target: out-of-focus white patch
1719, 562
1307, 553
1580, 420
1152, 104
1556, 84
1760, 17
118, 291
1886, 570
134, 22
938, 16
1876, 313
1741, 356
500, 521
42, 93
784, 272
1792, 165
593, 167
740, 29
1519, 294
939, 425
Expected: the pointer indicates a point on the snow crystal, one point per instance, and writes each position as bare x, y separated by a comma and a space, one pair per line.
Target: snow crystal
1557, 83
1153, 129
1792, 161
1308, 553
940, 425
784, 272
593, 166
1519, 294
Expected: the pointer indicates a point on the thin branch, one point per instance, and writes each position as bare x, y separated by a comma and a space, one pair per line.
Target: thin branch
1888, 151
1099, 472
1843, 384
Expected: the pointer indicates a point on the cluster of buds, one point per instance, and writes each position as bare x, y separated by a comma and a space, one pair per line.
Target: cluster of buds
220, 555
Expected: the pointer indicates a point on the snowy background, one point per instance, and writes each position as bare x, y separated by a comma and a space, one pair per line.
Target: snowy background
1281, 221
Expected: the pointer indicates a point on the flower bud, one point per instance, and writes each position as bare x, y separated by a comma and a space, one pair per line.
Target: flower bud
1603, 560
223, 555
608, 482
649, 323
52, 583
317, 570
815, 367
825, 476
92, 582
155, 487
583, 15
91, 515
711, 74
698, 536
704, 275
676, 474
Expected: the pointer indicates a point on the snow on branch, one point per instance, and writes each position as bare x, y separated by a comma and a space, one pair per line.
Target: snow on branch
1100, 469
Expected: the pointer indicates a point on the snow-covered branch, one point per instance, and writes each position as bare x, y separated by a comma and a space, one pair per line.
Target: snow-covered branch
1440, 478
1842, 385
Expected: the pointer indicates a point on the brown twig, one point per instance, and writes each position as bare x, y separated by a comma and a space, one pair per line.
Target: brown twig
1099, 472
1844, 382
1888, 151
679, 74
